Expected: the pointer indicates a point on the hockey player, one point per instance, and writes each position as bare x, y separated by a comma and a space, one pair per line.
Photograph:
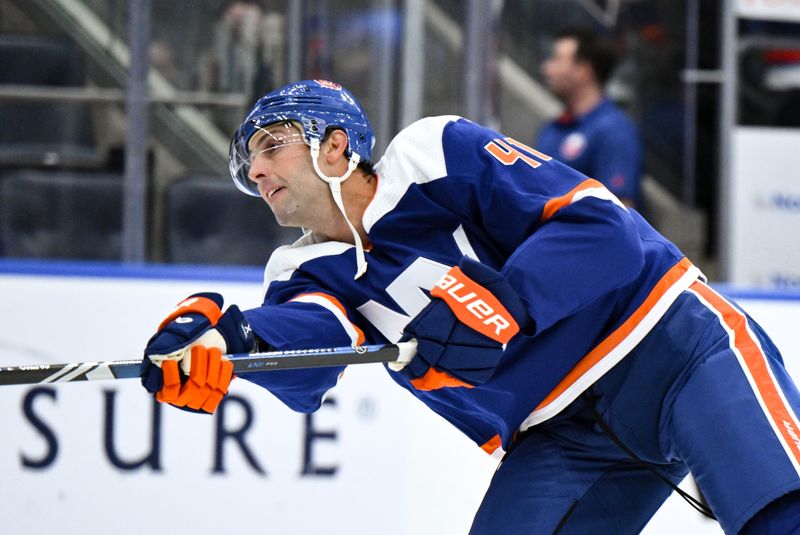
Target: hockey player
555, 327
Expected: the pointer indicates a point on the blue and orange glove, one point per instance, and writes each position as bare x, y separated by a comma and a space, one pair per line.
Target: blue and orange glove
183, 363
461, 334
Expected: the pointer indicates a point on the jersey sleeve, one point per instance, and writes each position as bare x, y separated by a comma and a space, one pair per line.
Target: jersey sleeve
588, 248
567, 239
296, 315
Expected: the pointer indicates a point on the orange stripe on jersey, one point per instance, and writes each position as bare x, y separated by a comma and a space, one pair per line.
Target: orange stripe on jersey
613, 340
435, 379
335, 302
755, 365
557, 203
195, 305
492, 444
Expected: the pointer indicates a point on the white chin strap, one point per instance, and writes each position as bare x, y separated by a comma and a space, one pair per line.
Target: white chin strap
335, 183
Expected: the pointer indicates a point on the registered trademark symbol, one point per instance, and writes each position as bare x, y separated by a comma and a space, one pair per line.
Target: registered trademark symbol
367, 409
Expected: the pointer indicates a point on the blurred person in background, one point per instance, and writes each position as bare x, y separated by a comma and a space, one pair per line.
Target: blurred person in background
554, 327
593, 135
245, 54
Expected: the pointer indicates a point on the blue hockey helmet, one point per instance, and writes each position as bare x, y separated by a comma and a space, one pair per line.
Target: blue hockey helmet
317, 105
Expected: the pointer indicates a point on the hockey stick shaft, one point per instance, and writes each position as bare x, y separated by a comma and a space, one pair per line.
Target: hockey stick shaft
242, 363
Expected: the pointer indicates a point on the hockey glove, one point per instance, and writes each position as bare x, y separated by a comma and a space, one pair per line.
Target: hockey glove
183, 362
461, 334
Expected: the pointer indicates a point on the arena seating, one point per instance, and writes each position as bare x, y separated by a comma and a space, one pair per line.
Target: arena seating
44, 133
208, 221
61, 214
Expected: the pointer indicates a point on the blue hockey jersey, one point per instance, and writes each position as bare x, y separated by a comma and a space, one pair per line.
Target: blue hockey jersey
593, 275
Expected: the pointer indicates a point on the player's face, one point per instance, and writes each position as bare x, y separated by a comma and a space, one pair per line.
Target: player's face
560, 69
281, 167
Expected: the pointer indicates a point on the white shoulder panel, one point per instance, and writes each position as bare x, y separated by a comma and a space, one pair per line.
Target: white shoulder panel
286, 259
415, 155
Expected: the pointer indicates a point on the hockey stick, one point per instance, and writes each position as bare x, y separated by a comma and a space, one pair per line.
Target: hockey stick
242, 362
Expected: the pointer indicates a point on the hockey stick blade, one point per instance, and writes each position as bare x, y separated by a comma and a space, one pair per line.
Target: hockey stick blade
400, 353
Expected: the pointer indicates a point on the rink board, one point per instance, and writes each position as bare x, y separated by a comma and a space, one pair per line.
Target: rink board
101, 457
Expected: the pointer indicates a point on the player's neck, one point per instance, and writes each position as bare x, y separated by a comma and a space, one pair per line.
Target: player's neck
340, 232
584, 100
357, 193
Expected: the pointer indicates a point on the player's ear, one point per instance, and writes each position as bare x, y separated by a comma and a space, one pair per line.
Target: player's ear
335, 145
586, 70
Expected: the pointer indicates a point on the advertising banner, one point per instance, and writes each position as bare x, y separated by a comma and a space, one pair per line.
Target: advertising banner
780, 10
101, 457
765, 211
